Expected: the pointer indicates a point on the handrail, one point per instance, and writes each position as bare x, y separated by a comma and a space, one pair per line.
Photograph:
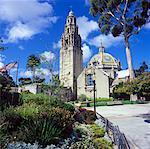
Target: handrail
117, 137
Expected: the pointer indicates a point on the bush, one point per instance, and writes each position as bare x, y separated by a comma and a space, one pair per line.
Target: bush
101, 99
82, 97
97, 131
101, 143
31, 122
42, 99
85, 116
82, 130
83, 144
36, 98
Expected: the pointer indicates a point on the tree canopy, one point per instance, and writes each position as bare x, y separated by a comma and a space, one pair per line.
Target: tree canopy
143, 68
124, 17
32, 63
6, 80
140, 85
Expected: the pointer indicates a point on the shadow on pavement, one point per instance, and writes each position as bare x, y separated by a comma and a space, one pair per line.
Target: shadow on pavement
146, 117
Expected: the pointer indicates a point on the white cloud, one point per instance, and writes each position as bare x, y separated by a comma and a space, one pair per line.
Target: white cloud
26, 73
87, 53
25, 18
47, 56
21, 47
86, 26
1, 64
147, 26
2, 58
57, 45
107, 41
20, 31
40, 72
87, 2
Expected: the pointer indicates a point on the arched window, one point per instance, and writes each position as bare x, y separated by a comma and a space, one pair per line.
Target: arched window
89, 80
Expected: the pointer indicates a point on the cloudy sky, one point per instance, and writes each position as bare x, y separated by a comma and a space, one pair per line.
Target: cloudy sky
35, 27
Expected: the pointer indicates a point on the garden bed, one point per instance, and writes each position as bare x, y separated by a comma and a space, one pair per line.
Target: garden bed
47, 122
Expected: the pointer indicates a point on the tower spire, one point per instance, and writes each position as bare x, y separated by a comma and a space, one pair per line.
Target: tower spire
101, 49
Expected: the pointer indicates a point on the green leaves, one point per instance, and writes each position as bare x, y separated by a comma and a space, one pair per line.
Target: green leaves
138, 22
117, 30
120, 16
140, 86
33, 61
105, 29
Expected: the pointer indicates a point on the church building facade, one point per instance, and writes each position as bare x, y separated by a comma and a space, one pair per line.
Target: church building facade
102, 67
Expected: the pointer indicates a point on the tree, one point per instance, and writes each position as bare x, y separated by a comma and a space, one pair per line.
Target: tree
143, 68
6, 80
32, 63
139, 86
121, 17
24, 81
47, 63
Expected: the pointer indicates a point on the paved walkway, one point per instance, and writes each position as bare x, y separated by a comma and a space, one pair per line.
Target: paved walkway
133, 120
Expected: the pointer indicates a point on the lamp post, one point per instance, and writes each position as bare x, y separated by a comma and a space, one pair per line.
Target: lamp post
94, 90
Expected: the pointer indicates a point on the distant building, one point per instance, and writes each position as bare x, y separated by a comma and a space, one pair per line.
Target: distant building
102, 66
32, 88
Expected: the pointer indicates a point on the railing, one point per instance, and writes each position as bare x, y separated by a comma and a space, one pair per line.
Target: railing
114, 133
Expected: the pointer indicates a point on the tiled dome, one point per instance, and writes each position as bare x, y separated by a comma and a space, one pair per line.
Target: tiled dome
103, 60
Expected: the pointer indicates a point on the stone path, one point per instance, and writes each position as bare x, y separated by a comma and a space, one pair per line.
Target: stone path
133, 121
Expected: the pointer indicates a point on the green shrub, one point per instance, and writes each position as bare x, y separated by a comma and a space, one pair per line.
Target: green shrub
28, 110
97, 131
44, 131
101, 99
101, 143
68, 106
85, 116
31, 122
36, 98
83, 144
42, 99
82, 97
82, 130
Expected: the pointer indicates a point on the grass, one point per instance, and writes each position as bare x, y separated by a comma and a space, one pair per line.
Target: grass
107, 103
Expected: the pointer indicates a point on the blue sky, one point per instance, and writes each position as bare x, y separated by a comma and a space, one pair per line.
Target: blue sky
35, 27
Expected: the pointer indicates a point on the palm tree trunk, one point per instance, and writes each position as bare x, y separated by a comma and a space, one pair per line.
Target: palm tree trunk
130, 66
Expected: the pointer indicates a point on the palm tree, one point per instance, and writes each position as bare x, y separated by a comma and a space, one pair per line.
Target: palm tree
32, 63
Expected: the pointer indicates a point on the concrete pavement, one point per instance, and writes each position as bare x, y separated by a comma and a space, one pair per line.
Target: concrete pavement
133, 121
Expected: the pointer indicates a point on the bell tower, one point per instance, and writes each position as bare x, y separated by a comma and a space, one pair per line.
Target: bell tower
71, 56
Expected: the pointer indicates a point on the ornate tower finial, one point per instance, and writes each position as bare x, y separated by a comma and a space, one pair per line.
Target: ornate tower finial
101, 49
71, 12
